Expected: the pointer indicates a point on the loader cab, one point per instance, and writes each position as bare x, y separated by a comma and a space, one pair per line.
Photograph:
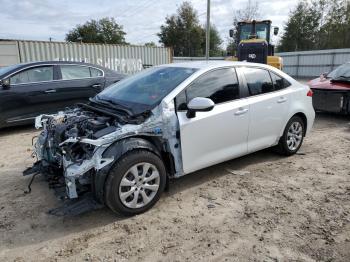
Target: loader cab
254, 30
253, 40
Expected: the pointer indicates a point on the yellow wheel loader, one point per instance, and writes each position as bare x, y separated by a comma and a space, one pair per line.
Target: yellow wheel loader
254, 43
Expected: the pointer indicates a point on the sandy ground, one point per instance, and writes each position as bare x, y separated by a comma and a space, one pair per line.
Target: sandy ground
261, 207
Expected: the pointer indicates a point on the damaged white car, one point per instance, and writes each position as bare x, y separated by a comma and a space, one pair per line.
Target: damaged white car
122, 147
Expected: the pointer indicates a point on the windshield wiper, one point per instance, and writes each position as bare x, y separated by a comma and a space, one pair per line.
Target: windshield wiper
112, 104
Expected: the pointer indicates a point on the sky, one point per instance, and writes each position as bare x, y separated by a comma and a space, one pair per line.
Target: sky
141, 19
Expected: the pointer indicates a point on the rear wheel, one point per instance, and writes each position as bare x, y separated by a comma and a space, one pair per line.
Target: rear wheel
292, 137
135, 183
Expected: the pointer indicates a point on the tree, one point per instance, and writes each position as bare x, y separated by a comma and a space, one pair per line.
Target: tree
301, 30
183, 32
319, 24
150, 44
248, 13
215, 42
105, 30
335, 31
231, 47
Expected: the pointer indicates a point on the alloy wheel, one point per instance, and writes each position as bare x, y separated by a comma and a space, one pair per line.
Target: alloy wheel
139, 185
294, 135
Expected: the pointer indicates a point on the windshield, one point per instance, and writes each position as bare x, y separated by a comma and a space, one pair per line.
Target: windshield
147, 88
341, 71
6, 69
261, 31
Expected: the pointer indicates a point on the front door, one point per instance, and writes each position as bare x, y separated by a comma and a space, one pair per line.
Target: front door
30, 93
220, 134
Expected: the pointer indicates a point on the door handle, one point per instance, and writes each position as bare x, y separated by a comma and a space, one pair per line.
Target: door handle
241, 111
96, 86
50, 91
281, 100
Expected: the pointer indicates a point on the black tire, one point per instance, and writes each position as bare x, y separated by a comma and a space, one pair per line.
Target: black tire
117, 172
282, 146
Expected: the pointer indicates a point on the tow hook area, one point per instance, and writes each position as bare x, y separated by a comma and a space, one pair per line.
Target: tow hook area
70, 207
34, 171
74, 207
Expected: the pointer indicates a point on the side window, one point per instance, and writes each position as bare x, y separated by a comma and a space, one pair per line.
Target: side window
181, 101
220, 86
279, 82
258, 81
74, 72
37, 74
94, 72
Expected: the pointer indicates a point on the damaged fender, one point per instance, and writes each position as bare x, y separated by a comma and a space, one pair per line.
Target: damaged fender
115, 151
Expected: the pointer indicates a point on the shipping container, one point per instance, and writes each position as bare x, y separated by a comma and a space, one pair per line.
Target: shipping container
126, 59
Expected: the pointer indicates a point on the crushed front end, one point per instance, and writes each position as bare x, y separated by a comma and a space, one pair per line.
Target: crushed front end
78, 146
69, 149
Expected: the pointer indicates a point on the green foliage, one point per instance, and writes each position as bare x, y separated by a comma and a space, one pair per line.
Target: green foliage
322, 24
231, 47
249, 12
151, 44
185, 35
105, 31
215, 42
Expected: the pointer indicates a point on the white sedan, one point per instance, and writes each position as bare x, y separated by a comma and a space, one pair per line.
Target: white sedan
168, 121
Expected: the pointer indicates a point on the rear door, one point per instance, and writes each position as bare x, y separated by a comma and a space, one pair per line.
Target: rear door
30, 93
78, 83
268, 102
220, 134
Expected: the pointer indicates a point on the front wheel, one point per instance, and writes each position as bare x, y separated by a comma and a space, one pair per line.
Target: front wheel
135, 183
292, 137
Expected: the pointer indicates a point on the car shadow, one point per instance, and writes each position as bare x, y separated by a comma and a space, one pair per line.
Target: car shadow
5, 131
226, 168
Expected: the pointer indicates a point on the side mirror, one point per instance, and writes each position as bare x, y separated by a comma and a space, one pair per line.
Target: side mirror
231, 32
199, 104
275, 30
5, 83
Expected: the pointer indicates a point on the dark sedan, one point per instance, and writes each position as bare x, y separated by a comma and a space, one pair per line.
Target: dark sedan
31, 89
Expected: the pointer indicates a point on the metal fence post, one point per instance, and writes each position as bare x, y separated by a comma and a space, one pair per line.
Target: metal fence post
332, 63
297, 65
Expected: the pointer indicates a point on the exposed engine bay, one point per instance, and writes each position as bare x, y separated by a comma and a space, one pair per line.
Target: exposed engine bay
71, 149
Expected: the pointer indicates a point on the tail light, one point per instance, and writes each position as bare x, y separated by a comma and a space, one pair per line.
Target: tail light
310, 93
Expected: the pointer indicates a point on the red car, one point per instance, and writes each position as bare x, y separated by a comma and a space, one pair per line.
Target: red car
331, 91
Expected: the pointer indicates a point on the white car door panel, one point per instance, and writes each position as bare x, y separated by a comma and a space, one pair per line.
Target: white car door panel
220, 134
215, 136
269, 102
268, 113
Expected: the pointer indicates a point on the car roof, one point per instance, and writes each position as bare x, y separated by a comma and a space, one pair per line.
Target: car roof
56, 62
213, 64
16, 67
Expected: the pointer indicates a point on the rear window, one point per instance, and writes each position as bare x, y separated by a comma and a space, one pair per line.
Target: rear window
258, 81
94, 72
74, 72
279, 82
341, 71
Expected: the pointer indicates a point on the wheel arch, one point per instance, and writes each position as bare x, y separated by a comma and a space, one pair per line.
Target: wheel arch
304, 118
301, 115
120, 148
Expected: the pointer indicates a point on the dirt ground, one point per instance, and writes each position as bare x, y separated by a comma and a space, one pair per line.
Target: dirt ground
261, 207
